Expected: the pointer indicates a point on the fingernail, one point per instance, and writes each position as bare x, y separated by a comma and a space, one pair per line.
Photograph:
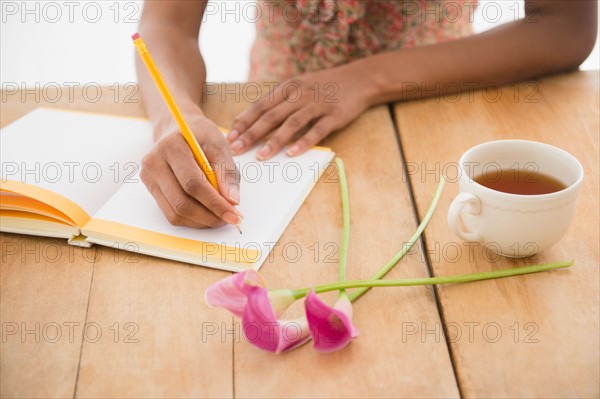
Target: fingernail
231, 218
237, 146
232, 135
293, 150
234, 194
237, 212
264, 151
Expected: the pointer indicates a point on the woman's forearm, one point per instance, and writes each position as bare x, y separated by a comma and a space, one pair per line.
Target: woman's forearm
558, 38
170, 170
181, 65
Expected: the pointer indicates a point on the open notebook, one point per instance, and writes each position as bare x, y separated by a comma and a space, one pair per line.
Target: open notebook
75, 175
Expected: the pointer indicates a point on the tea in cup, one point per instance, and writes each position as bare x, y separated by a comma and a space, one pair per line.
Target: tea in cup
516, 197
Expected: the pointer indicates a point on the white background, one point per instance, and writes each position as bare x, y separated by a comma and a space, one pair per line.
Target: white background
89, 41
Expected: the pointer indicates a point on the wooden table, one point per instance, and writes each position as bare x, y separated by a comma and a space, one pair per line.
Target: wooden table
137, 326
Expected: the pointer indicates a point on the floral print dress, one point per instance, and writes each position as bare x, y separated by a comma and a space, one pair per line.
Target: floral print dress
298, 36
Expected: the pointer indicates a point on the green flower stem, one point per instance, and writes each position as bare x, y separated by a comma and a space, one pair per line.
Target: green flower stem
407, 246
461, 278
346, 222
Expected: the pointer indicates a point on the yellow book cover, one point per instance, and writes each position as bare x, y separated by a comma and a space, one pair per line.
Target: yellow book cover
75, 175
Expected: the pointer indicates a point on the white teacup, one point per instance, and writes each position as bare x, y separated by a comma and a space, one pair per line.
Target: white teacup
514, 225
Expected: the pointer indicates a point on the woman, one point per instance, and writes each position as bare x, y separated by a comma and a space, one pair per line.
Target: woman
336, 59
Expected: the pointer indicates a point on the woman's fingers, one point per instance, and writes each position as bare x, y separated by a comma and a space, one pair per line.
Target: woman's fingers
195, 184
293, 107
228, 175
249, 116
315, 134
180, 187
264, 125
292, 125
178, 208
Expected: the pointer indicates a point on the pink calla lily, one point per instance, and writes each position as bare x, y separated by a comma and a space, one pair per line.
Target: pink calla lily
262, 328
331, 327
231, 292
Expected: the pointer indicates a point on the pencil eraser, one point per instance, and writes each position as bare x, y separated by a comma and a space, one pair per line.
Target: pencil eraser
135, 36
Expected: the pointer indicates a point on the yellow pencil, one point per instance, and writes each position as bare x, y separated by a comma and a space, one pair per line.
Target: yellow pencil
183, 126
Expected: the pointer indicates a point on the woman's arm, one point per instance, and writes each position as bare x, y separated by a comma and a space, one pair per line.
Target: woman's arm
170, 30
555, 36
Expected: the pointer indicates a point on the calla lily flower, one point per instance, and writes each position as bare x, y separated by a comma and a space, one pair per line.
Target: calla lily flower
262, 328
231, 292
331, 327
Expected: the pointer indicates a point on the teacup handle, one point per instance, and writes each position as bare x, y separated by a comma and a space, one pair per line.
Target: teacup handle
471, 204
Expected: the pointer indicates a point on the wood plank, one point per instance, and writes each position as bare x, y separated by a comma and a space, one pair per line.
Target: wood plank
44, 288
163, 300
378, 363
162, 349
556, 315
150, 312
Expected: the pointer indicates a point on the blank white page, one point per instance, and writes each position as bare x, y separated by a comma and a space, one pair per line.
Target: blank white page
271, 193
82, 156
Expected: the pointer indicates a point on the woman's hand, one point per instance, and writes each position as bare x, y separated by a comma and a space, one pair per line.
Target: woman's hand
312, 106
179, 186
